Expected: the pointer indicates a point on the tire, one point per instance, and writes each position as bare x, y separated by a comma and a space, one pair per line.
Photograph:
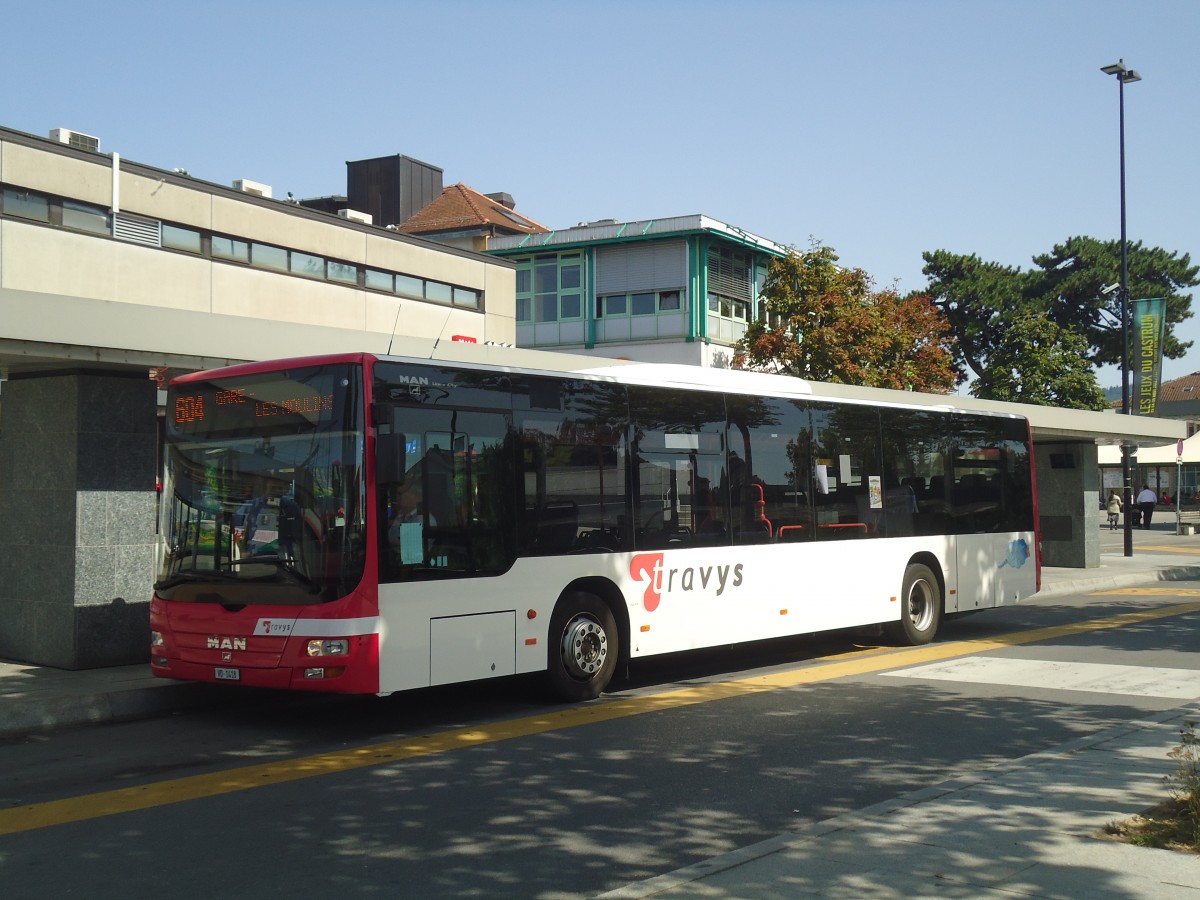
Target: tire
582, 656
921, 609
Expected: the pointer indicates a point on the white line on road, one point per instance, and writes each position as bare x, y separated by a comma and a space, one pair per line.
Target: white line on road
1139, 681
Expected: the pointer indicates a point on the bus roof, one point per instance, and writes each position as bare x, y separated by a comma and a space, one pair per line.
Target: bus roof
515, 359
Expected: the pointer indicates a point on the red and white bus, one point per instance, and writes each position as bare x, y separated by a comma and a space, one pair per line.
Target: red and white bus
371, 524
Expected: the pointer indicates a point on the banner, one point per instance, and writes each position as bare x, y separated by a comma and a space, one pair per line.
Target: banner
1149, 331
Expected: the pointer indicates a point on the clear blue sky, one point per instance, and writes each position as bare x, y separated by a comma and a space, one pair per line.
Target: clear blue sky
882, 128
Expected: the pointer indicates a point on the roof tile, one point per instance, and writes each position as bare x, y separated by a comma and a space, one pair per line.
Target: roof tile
460, 207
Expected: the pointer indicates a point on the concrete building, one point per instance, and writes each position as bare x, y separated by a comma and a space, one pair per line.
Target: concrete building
678, 290
114, 274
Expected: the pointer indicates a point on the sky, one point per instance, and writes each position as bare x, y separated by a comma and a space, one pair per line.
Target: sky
881, 128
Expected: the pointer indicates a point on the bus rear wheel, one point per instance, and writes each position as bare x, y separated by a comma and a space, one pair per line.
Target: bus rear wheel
921, 611
583, 647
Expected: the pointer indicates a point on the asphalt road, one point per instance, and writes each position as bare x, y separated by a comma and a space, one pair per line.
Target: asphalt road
487, 791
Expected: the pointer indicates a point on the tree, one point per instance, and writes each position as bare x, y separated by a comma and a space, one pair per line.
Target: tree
1071, 277
827, 323
982, 300
1036, 361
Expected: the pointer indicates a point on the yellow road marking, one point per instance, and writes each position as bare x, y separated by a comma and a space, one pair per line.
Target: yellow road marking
1194, 551
195, 787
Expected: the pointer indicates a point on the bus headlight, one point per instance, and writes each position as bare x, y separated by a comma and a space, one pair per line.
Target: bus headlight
339, 647
156, 639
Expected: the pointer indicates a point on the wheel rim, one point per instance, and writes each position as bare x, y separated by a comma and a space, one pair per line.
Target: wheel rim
584, 647
920, 605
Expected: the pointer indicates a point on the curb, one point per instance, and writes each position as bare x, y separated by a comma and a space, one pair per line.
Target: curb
21, 716
1119, 579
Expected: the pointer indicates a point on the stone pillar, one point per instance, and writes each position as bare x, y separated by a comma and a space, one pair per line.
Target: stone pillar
1068, 482
77, 518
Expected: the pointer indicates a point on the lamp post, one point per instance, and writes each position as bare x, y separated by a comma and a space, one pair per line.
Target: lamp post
1124, 76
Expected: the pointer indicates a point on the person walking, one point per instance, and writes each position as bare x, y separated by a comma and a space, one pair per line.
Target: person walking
1114, 510
1146, 500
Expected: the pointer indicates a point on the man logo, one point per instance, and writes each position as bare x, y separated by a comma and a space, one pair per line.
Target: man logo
216, 642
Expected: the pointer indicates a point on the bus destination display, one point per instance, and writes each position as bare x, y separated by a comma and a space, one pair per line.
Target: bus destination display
237, 405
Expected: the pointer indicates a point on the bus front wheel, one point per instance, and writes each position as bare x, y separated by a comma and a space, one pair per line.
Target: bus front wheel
921, 610
583, 647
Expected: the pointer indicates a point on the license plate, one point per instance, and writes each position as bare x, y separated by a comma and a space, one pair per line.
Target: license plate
228, 674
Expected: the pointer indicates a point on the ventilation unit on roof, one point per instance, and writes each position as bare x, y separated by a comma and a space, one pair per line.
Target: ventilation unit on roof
355, 216
246, 186
76, 139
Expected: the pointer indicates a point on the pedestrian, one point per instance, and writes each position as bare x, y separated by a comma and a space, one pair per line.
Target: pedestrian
1114, 509
1146, 499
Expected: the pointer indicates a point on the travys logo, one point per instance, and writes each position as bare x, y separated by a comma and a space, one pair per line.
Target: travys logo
659, 580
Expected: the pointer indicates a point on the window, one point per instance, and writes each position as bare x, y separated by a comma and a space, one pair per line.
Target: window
572, 446
306, 264
549, 287
342, 273
728, 307
380, 281
615, 305
26, 205
409, 286
438, 292
729, 272
570, 306
680, 468
643, 304
264, 256
84, 217
75, 215
847, 472
545, 280
177, 238
458, 450
230, 248
546, 274
772, 435
568, 276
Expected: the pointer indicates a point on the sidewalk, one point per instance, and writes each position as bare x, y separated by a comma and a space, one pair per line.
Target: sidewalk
1025, 828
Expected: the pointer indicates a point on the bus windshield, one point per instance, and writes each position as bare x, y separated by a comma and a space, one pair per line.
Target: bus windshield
264, 494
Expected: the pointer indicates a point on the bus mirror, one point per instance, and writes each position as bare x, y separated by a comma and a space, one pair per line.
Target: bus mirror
381, 414
389, 458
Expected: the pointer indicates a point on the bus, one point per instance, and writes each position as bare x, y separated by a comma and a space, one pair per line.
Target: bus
369, 523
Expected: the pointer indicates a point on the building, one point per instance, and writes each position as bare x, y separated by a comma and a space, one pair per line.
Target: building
114, 274
1170, 469
462, 217
678, 290
1179, 398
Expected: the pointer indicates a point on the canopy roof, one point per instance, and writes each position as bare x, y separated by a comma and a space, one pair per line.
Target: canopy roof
1155, 456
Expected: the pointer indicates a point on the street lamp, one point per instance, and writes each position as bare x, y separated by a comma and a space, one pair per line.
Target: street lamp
1124, 76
